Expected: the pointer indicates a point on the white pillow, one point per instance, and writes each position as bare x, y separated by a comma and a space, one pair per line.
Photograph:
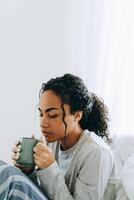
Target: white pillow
127, 177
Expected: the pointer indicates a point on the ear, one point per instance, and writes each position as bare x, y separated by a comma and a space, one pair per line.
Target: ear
78, 116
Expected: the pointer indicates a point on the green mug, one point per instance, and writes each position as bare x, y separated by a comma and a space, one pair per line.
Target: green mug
26, 151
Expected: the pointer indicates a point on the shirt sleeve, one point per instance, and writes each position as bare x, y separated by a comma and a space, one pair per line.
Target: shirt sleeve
90, 183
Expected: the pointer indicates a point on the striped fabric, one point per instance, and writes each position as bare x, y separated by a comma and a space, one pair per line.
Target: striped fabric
14, 185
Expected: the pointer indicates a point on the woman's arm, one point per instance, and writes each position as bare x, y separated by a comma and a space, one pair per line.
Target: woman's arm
90, 183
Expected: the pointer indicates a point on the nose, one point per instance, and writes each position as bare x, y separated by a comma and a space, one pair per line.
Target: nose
43, 122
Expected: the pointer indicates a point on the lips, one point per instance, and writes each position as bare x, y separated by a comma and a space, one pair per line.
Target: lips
46, 133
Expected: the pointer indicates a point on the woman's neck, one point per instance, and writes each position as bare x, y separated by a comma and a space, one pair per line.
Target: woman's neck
70, 140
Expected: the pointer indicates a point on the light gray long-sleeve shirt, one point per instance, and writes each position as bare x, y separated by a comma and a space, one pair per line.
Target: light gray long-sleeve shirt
89, 176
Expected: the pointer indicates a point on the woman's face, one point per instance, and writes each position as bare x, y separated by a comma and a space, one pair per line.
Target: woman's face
51, 114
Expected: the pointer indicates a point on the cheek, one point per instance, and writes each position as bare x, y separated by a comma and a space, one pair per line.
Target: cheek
58, 124
60, 128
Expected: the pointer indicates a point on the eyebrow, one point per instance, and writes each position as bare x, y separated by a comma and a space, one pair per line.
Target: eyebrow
49, 109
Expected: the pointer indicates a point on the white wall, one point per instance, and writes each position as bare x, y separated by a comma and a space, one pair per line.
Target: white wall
36, 40
43, 39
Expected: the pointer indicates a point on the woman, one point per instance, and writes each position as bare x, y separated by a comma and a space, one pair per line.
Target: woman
73, 161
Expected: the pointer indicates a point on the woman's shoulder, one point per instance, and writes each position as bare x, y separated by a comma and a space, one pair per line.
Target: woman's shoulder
92, 141
88, 143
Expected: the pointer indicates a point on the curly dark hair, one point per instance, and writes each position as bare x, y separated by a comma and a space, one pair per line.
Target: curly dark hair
72, 91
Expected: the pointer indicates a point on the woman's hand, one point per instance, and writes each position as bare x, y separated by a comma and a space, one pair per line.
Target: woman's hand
43, 155
15, 156
15, 152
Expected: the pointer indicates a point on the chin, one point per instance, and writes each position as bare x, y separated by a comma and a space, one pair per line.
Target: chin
50, 140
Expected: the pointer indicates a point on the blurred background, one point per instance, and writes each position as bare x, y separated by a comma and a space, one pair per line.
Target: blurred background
41, 39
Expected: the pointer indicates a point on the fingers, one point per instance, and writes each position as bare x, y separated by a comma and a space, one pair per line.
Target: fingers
41, 145
40, 148
15, 151
44, 158
15, 156
33, 135
41, 163
17, 142
43, 140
